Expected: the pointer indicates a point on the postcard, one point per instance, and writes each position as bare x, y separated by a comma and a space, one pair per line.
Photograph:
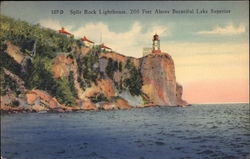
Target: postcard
124, 79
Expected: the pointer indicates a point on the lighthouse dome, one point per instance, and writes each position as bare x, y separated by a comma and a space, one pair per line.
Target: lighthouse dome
156, 37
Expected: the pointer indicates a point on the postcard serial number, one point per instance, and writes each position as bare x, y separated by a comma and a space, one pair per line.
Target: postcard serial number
139, 11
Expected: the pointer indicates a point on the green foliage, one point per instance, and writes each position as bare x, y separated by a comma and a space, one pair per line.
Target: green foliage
111, 68
134, 82
42, 78
9, 63
38, 73
79, 43
98, 98
24, 34
3, 46
71, 84
128, 64
88, 69
62, 92
120, 67
97, 49
3, 89
15, 103
7, 84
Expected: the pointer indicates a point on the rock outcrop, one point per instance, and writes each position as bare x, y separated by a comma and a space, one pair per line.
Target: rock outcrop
159, 81
15, 52
62, 65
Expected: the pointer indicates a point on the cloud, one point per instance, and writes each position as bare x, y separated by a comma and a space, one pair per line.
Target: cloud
129, 42
228, 30
207, 61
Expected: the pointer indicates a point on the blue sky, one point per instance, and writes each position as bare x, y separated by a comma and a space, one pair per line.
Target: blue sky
184, 25
205, 47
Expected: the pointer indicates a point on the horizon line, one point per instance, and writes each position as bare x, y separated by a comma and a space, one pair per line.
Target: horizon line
224, 103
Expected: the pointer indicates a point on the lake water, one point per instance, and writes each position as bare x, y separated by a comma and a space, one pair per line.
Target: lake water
218, 131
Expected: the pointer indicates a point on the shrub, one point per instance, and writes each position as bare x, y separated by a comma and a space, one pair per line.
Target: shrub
98, 98
134, 82
9, 63
111, 68
7, 83
88, 69
15, 103
71, 84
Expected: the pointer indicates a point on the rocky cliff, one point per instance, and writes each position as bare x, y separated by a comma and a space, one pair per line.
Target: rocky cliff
159, 81
65, 75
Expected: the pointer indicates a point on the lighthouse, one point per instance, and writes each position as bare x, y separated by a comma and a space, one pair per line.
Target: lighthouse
156, 44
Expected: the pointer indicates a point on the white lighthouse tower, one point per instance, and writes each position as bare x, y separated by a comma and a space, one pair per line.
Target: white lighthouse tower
156, 44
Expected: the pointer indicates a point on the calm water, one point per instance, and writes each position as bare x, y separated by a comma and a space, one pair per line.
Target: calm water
197, 132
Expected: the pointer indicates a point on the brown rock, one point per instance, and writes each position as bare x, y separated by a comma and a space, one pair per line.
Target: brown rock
60, 66
179, 100
43, 97
14, 52
106, 87
31, 97
109, 106
59, 70
53, 103
88, 105
159, 81
123, 104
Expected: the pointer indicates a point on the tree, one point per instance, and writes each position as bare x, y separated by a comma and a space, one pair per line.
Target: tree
134, 82
71, 84
120, 67
111, 68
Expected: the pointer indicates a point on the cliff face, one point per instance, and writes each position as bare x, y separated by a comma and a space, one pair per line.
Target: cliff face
103, 81
159, 86
159, 81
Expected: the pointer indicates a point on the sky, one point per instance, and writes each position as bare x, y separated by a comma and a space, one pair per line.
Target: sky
210, 50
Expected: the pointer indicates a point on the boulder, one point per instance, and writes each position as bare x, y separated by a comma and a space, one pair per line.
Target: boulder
88, 105
123, 104
31, 97
109, 106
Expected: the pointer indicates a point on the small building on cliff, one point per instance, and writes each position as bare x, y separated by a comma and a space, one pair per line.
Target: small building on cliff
155, 49
156, 44
105, 48
64, 32
87, 42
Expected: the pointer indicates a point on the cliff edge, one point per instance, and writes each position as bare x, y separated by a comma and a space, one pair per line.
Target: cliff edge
159, 80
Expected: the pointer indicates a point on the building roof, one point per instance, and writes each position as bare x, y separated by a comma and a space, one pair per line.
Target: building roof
156, 37
64, 32
104, 47
86, 39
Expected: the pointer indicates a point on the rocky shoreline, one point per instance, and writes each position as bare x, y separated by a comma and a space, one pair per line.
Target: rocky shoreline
39, 101
22, 109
